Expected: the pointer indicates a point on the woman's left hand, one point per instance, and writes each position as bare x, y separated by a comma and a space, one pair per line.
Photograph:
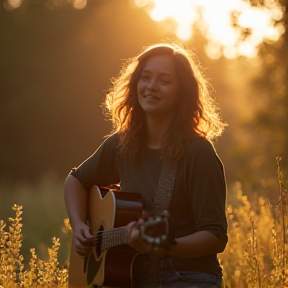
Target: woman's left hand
134, 238
137, 242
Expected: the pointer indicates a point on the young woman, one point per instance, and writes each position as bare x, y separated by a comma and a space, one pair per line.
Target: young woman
162, 112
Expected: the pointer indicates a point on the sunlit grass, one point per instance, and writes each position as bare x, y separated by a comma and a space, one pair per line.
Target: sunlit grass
38, 273
43, 213
256, 248
255, 257
256, 254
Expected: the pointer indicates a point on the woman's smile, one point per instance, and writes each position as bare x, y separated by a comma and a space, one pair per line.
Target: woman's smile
158, 86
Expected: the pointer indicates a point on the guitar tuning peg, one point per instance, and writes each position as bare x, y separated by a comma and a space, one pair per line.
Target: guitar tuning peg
157, 241
165, 213
163, 238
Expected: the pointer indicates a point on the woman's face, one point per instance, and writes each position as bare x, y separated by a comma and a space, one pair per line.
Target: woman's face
158, 86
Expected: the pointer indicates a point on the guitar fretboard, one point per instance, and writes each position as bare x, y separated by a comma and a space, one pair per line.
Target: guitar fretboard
110, 238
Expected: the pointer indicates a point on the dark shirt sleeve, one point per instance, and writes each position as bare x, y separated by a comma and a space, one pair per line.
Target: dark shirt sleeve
207, 189
101, 168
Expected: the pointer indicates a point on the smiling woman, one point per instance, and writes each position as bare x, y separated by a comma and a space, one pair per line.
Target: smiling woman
195, 110
164, 119
158, 88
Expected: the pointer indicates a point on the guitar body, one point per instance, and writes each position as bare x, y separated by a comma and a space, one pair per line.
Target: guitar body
107, 210
118, 268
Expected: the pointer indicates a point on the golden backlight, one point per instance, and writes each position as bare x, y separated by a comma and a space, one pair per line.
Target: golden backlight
50, 4
232, 27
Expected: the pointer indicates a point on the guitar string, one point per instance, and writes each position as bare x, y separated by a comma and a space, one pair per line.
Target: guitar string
117, 240
105, 234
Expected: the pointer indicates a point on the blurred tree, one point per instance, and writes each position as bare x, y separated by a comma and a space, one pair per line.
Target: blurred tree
266, 130
56, 64
54, 68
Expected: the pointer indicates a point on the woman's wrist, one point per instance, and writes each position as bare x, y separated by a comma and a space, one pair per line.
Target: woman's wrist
128, 229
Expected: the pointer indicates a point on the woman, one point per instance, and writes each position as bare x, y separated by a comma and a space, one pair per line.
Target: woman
162, 113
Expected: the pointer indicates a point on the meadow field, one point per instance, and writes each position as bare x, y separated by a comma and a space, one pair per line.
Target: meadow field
34, 250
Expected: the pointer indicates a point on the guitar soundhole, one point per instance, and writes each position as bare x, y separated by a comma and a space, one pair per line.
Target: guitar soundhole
99, 241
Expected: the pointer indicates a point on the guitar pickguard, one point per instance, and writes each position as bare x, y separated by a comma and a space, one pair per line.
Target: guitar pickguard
93, 267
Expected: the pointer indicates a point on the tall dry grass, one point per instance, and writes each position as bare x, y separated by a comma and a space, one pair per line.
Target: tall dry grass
256, 254
38, 273
255, 257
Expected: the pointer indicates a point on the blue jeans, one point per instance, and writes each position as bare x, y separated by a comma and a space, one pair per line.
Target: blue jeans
189, 279
168, 277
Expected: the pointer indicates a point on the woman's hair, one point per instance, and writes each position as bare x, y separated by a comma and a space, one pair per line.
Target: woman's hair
197, 116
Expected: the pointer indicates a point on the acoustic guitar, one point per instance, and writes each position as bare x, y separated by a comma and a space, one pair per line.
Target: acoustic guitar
110, 261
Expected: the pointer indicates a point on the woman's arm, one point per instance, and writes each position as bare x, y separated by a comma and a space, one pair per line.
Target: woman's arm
198, 244
76, 201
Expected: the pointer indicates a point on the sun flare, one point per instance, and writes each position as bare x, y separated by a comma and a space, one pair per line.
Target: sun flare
233, 28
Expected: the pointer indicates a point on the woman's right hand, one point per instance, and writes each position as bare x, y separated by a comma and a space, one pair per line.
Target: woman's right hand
76, 201
82, 238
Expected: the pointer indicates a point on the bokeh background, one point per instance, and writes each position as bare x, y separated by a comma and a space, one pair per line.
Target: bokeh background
57, 58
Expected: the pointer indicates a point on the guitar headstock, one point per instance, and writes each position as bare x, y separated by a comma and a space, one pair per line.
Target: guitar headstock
159, 231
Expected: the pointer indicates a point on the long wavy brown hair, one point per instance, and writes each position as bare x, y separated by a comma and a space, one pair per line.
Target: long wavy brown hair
198, 114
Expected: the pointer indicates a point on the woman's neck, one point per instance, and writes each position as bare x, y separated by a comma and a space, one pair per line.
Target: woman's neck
156, 131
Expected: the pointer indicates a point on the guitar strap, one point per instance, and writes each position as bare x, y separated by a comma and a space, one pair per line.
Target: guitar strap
161, 202
165, 188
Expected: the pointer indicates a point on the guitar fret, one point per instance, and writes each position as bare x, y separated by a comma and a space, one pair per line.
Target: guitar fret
112, 238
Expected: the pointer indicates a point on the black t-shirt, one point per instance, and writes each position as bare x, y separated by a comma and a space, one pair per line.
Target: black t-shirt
198, 198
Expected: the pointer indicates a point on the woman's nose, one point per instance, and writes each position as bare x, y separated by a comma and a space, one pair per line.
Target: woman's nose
152, 84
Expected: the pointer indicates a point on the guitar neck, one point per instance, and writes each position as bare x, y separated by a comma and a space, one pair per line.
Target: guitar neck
110, 238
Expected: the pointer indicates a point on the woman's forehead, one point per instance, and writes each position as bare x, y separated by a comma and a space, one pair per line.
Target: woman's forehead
160, 63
